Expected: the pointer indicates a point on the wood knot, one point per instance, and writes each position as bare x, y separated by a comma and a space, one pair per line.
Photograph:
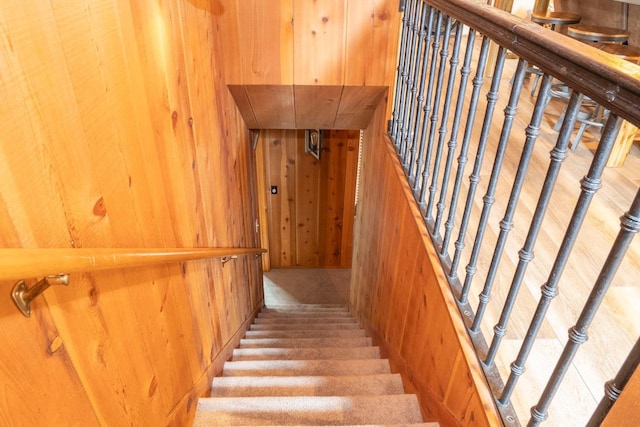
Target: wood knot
99, 209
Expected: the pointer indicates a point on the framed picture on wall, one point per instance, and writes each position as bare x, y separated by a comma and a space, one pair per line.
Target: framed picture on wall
313, 142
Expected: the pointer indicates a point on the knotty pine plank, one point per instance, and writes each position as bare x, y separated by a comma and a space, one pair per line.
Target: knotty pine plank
351, 176
372, 34
319, 39
38, 338
266, 41
308, 183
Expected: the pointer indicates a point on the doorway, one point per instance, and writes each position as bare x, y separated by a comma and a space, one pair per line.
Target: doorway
309, 206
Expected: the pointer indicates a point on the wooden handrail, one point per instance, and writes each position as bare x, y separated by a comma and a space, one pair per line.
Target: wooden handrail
20, 263
612, 82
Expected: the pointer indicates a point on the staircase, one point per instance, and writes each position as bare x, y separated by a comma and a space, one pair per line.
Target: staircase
307, 365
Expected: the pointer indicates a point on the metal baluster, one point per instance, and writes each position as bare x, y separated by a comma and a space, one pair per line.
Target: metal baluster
405, 76
558, 154
613, 388
453, 143
402, 58
426, 37
462, 158
629, 227
444, 52
421, 164
589, 184
416, 101
474, 178
415, 58
532, 132
489, 197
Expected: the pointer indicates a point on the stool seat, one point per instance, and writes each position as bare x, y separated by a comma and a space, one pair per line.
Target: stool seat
555, 18
597, 33
629, 53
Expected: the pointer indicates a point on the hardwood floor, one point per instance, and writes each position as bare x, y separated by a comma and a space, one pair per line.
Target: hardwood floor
616, 327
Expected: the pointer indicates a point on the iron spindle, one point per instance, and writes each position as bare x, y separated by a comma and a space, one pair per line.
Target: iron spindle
401, 130
474, 178
589, 184
489, 198
453, 141
417, 87
558, 154
532, 132
466, 141
444, 53
421, 165
629, 227
395, 115
408, 165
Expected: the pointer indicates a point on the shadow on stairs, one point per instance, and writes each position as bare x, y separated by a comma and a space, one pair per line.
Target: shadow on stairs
307, 365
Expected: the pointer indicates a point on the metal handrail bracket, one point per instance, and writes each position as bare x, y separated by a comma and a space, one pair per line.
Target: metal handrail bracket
23, 296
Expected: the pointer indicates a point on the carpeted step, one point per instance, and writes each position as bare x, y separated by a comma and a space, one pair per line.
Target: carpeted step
304, 342
302, 309
371, 425
303, 314
317, 410
306, 306
313, 353
265, 320
303, 326
316, 333
306, 367
345, 385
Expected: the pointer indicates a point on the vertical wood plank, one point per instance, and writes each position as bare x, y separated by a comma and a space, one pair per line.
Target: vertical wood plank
309, 208
372, 38
318, 35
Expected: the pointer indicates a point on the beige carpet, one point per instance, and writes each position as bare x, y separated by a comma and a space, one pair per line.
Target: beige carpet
307, 286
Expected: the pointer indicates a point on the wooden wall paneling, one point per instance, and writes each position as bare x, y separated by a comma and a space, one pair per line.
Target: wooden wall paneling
227, 26
39, 171
372, 41
24, 342
266, 41
273, 105
281, 173
318, 36
309, 182
316, 106
332, 196
121, 117
357, 106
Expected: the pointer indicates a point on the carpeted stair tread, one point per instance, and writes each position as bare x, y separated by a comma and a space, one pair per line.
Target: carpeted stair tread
294, 309
317, 410
305, 306
302, 326
315, 333
310, 353
370, 425
303, 314
344, 385
266, 320
306, 367
304, 342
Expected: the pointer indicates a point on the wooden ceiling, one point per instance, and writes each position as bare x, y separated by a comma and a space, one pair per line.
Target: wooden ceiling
307, 106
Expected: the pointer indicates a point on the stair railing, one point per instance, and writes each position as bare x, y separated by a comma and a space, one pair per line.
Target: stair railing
438, 117
57, 263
